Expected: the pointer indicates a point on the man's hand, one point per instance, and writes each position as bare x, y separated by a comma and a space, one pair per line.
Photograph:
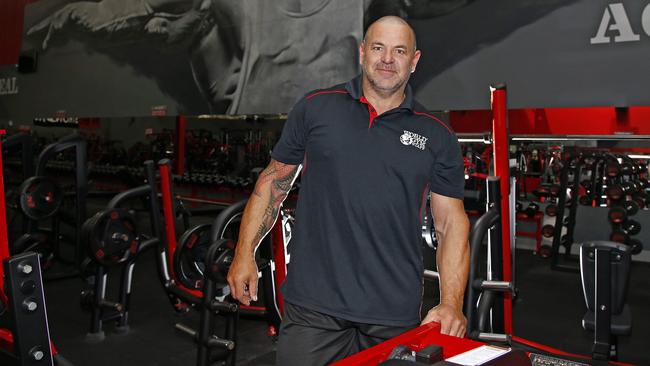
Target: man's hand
242, 278
452, 321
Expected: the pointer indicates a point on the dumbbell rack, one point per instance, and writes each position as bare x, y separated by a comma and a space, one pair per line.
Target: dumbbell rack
566, 262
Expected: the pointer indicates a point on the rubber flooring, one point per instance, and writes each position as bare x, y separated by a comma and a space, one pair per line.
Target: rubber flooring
548, 310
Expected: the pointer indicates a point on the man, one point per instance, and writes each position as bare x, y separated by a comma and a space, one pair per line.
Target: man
369, 154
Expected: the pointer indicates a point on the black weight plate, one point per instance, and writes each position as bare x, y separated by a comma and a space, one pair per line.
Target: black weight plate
631, 227
630, 207
40, 197
636, 245
220, 259
112, 237
189, 256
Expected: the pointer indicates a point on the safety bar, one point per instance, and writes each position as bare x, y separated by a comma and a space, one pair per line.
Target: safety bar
129, 194
212, 342
480, 229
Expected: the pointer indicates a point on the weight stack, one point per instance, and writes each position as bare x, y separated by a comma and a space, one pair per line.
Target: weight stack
24, 286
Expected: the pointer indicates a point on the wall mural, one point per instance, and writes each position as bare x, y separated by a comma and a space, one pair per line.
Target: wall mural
144, 57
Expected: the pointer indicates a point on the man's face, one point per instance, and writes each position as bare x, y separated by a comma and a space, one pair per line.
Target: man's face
388, 56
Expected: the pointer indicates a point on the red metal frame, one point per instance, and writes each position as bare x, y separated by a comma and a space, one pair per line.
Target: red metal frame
280, 273
4, 241
502, 170
428, 334
170, 226
415, 339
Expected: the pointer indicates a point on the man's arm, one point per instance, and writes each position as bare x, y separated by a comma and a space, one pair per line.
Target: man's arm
452, 232
261, 211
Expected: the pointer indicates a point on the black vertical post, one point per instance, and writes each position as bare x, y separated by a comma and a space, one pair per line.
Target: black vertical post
96, 324
82, 195
573, 210
602, 309
495, 266
125, 294
559, 217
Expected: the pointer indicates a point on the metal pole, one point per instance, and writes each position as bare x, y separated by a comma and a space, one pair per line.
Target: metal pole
502, 170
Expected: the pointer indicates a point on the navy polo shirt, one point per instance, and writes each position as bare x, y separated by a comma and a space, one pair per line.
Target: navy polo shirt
356, 245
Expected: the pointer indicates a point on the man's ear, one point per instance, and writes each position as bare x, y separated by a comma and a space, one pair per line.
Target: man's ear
414, 62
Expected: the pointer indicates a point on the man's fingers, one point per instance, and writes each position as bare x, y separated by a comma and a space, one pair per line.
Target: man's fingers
252, 289
457, 329
445, 327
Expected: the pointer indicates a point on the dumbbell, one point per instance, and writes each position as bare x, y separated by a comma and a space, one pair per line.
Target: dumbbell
636, 246
617, 215
641, 198
551, 210
626, 169
585, 200
612, 169
545, 251
614, 192
631, 227
532, 209
548, 231
628, 187
541, 191
554, 190
622, 232
631, 207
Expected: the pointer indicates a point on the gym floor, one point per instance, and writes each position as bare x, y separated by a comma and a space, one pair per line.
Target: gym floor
548, 310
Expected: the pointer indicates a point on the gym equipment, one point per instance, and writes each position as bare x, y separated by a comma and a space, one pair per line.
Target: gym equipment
112, 237
22, 304
211, 300
39, 242
112, 241
23, 143
40, 197
548, 230
617, 215
483, 304
605, 269
189, 257
31, 339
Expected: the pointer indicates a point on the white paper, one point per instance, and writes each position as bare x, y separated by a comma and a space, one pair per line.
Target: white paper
478, 356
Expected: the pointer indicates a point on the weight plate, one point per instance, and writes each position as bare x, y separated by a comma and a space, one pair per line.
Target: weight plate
40, 197
189, 256
112, 237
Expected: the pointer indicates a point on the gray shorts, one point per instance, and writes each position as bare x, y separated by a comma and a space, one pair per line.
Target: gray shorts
311, 338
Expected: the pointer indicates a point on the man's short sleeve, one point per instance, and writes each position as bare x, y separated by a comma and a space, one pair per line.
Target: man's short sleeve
447, 175
290, 149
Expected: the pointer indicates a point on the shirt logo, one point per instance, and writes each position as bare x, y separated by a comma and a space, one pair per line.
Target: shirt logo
413, 139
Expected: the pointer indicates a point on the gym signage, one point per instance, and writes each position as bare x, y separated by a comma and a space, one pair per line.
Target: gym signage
8, 86
615, 25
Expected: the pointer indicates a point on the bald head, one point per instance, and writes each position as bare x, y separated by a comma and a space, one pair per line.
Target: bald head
395, 23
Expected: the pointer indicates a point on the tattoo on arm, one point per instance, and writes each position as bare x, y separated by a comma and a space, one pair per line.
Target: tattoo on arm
281, 177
